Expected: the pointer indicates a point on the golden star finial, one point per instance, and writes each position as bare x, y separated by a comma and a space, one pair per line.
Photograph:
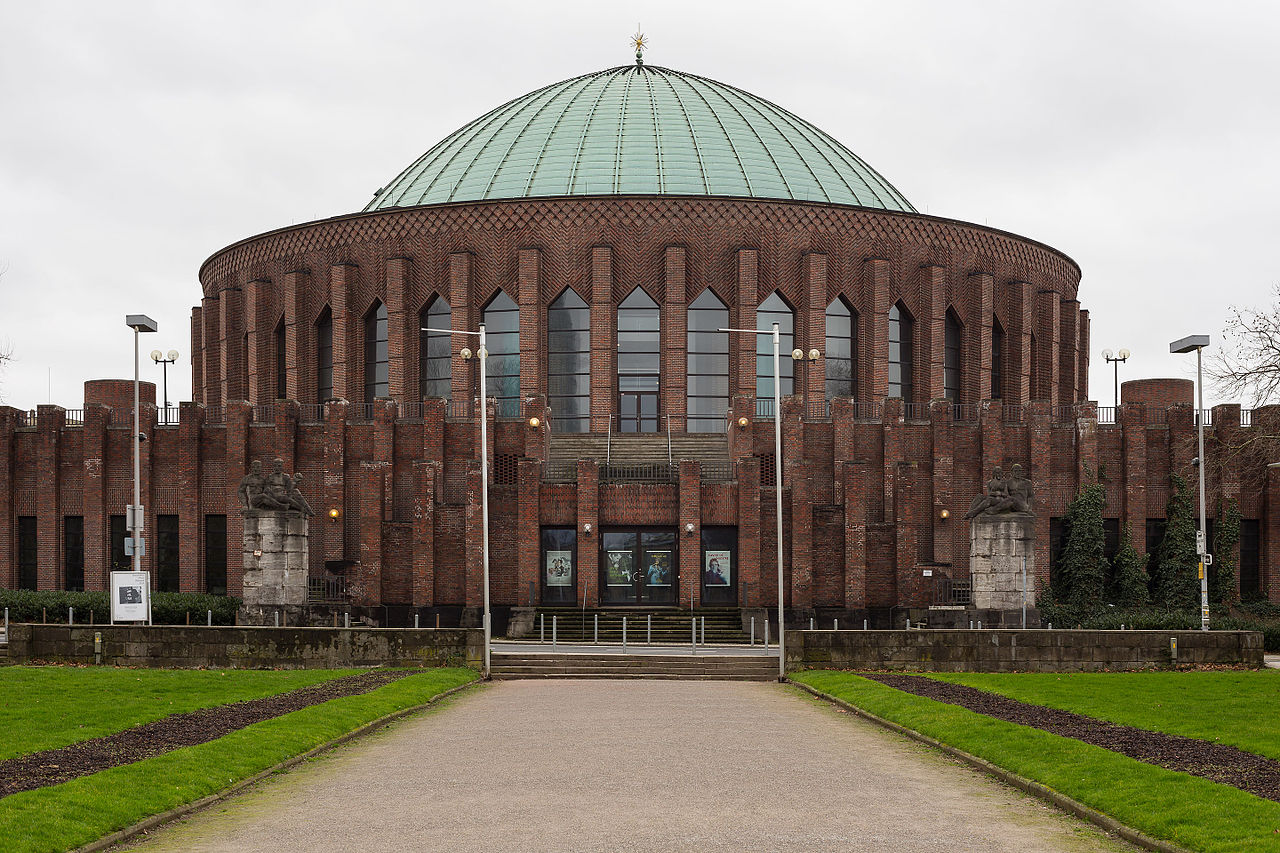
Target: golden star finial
639, 42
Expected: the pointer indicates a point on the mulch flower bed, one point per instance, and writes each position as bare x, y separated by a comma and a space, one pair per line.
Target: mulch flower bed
54, 766
1244, 770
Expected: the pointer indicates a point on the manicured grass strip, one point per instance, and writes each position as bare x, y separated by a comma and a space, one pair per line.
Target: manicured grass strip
1188, 811
48, 707
83, 810
1230, 707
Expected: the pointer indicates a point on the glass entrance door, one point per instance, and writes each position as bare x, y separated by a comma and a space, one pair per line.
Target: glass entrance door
638, 411
639, 567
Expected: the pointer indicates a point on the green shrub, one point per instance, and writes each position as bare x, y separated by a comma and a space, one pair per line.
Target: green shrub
167, 608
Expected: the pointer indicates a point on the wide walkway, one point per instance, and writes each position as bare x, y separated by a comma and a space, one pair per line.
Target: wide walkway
651, 765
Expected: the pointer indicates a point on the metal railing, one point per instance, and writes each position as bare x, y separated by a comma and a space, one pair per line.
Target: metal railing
947, 591
915, 411
764, 408
410, 410
168, 416
75, 417
964, 412
327, 590
817, 410
264, 413
717, 472
1106, 414
1205, 416
312, 413
867, 411
1246, 417
1013, 413
641, 473
215, 415
559, 472
507, 407
460, 410
1063, 414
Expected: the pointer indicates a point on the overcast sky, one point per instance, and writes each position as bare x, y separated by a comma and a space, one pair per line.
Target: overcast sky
136, 139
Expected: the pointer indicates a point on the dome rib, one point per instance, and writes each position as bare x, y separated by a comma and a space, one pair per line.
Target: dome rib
639, 130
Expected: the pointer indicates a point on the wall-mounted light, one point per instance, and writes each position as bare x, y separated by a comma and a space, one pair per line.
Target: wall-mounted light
688, 528
814, 355
742, 422
334, 514
945, 514
465, 352
797, 354
534, 422
586, 528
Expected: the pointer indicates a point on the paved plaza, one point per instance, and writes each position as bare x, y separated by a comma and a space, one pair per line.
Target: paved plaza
649, 765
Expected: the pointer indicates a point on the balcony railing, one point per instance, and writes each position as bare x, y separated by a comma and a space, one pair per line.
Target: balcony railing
327, 590
641, 473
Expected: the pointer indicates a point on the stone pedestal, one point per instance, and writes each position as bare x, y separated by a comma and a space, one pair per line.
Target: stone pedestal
275, 567
997, 546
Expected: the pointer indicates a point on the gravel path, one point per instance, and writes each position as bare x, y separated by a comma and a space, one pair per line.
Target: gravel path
653, 765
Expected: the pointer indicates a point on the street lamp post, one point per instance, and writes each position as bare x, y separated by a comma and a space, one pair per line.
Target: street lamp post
1117, 360
139, 323
1183, 345
483, 354
165, 361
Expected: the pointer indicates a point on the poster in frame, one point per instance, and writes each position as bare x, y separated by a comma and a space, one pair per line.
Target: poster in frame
717, 568
559, 568
618, 568
131, 597
658, 568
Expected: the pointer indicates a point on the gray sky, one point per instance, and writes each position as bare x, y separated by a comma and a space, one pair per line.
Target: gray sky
136, 139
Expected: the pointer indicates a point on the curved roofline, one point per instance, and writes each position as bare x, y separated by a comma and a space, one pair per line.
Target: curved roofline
658, 197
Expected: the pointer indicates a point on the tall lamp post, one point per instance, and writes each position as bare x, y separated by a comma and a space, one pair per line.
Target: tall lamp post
139, 323
165, 361
1184, 345
1117, 359
483, 354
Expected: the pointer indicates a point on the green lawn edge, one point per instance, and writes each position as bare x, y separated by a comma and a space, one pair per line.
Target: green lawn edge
51, 707
1188, 811
81, 811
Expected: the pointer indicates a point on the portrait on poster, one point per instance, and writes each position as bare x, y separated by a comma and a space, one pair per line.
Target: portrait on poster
559, 568
658, 570
717, 568
129, 594
618, 568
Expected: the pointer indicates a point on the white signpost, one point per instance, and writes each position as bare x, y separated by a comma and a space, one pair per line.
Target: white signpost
131, 597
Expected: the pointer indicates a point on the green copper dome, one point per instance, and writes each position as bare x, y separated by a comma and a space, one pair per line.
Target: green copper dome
640, 129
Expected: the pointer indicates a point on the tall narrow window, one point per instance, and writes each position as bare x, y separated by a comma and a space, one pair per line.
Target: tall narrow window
569, 363
901, 361
167, 553
1035, 372
997, 360
73, 552
375, 353
774, 310
215, 554
118, 531
502, 330
282, 363
435, 350
324, 356
27, 552
1250, 552
708, 363
639, 360
952, 358
842, 349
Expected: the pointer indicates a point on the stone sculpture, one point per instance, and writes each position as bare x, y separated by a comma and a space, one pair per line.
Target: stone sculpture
1003, 496
276, 491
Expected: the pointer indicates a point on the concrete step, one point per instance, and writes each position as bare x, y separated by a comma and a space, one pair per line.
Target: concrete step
706, 667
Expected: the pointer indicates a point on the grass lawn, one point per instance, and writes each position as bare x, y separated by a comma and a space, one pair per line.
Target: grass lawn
1235, 708
85, 809
47, 707
1189, 811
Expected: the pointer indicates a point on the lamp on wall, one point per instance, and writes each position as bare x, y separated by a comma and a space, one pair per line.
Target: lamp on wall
586, 529
945, 514
334, 514
743, 422
688, 528
534, 423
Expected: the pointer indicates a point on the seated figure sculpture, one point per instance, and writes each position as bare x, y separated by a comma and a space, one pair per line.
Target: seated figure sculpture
1003, 495
275, 491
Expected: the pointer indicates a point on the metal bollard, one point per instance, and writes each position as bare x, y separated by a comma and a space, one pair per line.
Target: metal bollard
542, 627
276, 614
864, 624
1121, 626
624, 634
811, 623
437, 620
595, 635
1173, 650
71, 616
766, 635
979, 624
208, 615
346, 619
908, 623
648, 629
415, 620
970, 624
693, 634
753, 631
555, 623
1050, 626
704, 630
835, 624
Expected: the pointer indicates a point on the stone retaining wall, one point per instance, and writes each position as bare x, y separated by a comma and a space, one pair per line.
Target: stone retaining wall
1017, 650
246, 647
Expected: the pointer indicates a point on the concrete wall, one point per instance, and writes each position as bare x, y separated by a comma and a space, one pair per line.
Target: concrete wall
1017, 651
247, 648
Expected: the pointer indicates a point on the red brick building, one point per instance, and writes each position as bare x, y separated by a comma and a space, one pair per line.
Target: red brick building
604, 229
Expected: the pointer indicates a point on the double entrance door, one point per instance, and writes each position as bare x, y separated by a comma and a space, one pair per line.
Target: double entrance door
639, 567
638, 411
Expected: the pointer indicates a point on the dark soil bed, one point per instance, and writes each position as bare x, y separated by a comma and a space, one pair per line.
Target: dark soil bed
1244, 770
51, 767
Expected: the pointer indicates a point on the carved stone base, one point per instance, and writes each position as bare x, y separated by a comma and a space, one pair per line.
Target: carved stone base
275, 564
997, 546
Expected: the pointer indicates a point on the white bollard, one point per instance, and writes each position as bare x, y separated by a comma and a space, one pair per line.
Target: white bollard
648, 628
276, 614
542, 627
979, 624
208, 615
864, 624
753, 631
624, 635
346, 619
415, 620
71, 616
704, 630
810, 623
835, 624
554, 623
595, 628
766, 635
908, 623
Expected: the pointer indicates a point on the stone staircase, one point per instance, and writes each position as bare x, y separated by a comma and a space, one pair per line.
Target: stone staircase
686, 667
637, 451
723, 625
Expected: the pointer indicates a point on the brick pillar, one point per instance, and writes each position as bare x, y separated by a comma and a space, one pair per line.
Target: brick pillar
346, 356
1048, 329
1038, 472
335, 479
798, 477
197, 360
744, 346
857, 478
473, 588
931, 334
425, 475
528, 540
211, 316
1018, 343
259, 349
1082, 355
532, 341
1086, 443
1068, 354
1132, 418
367, 574
588, 543
48, 456
8, 517
750, 571
907, 582
603, 327
299, 340
891, 440
384, 449
1269, 559
991, 421
187, 478
230, 368
402, 333
976, 361
285, 437
690, 544
97, 552
874, 358
238, 416
675, 337
943, 484
815, 372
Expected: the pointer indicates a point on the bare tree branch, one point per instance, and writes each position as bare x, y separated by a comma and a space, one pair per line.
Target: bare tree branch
1247, 365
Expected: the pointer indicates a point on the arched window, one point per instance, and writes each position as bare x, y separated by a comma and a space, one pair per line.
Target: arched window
639, 362
901, 361
569, 363
774, 309
708, 363
952, 358
997, 360
502, 333
842, 349
324, 356
435, 349
375, 353
282, 363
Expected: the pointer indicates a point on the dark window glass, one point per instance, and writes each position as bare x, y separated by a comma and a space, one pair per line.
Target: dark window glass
215, 554
842, 349
26, 552
639, 362
282, 373
951, 359
901, 355
1059, 530
73, 552
324, 356
167, 579
774, 310
1110, 545
435, 350
118, 532
1250, 551
569, 363
502, 331
376, 375
1155, 535
708, 363
997, 360
559, 565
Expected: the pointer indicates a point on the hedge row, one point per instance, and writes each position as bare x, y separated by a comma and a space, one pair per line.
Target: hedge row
167, 608
1255, 616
